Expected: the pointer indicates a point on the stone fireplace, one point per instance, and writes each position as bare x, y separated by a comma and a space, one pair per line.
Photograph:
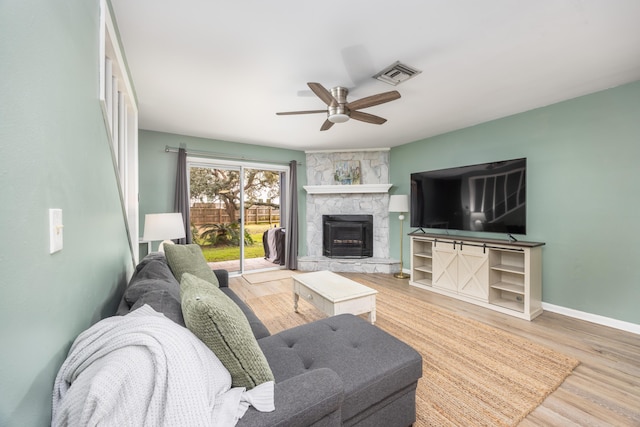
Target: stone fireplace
326, 197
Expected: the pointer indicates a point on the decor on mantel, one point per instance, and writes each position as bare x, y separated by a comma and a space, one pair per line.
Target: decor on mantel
400, 203
347, 172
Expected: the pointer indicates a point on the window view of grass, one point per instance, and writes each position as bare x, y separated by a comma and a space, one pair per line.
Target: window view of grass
227, 248
215, 210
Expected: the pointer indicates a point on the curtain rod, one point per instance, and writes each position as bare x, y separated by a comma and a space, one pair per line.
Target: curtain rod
168, 149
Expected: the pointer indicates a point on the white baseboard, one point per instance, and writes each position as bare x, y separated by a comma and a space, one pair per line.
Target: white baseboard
593, 318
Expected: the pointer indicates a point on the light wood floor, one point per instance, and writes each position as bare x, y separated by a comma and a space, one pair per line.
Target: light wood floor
604, 390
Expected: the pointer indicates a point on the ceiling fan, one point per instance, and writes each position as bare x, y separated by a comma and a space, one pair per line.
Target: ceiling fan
339, 110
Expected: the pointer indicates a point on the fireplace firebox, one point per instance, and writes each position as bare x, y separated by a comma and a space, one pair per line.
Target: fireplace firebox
347, 236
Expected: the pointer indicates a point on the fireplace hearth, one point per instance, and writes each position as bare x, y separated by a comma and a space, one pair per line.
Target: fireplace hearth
347, 236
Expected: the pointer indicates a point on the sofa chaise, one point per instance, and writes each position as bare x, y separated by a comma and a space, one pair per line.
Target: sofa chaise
339, 370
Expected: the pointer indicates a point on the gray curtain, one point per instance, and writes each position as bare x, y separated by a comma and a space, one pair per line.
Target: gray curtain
284, 197
291, 241
181, 203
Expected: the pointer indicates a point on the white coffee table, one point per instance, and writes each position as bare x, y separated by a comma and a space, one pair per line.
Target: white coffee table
334, 294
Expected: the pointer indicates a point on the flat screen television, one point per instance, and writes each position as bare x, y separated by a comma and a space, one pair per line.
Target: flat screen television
488, 197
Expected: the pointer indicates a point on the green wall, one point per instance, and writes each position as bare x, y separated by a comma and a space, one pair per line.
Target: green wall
158, 170
583, 185
54, 154
582, 194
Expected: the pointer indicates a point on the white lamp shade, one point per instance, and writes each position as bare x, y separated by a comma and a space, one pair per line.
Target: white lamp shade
163, 226
399, 203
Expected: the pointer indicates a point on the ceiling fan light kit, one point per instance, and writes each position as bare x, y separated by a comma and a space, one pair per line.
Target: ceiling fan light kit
339, 110
338, 118
338, 113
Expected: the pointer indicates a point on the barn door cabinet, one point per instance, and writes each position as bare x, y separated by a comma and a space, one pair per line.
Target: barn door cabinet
500, 275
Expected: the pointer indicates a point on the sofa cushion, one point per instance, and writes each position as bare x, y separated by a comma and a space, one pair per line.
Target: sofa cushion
189, 259
153, 284
257, 327
151, 256
220, 324
372, 364
154, 275
162, 301
310, 399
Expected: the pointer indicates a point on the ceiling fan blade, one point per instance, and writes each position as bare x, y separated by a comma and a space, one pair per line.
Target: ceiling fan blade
366, 117
326, 125
322, 93
372, 100
287, 113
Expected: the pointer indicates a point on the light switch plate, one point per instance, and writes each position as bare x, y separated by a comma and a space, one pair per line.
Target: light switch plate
55, 230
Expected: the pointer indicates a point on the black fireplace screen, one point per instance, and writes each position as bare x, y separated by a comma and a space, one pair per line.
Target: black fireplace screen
347, 236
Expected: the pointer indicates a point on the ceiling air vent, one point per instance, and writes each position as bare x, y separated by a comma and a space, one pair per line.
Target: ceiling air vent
396, 73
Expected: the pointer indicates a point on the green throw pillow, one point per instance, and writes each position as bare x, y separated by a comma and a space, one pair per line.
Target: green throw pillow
222, 326
189, 259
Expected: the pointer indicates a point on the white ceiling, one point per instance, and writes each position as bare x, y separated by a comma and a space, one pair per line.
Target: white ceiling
221, 70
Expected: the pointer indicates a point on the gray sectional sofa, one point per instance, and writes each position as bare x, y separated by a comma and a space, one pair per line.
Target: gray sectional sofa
337, 371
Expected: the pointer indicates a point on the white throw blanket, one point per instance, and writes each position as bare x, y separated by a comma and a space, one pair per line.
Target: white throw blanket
142, 369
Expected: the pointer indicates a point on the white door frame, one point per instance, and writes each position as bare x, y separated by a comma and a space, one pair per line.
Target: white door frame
240, 166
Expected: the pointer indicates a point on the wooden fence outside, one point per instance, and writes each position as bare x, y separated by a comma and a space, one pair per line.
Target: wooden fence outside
203, 213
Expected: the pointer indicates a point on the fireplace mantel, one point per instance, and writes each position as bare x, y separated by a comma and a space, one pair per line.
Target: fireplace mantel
341, 189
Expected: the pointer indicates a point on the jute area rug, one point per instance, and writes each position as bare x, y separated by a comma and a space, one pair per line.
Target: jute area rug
473, 374
268, 276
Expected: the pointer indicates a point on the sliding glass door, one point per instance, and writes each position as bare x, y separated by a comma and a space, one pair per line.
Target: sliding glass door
235, 213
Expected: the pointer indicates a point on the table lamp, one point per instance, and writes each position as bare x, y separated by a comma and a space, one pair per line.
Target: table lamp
163, 226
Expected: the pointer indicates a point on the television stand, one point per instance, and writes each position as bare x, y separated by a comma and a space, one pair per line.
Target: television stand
502, 276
